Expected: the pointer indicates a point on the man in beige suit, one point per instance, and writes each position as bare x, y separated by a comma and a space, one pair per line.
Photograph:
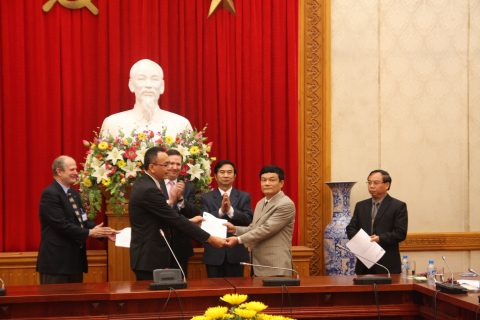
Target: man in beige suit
270, 234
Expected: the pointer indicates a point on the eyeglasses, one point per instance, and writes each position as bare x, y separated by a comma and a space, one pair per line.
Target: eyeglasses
162, 165
376, 182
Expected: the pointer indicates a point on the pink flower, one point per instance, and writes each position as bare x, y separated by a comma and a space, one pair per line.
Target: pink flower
197, 136
210, 144
117, 140
86, 143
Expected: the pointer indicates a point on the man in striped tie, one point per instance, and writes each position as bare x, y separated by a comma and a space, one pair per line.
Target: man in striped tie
65, 227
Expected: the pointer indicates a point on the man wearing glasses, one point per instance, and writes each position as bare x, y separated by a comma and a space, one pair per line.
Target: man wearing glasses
385, 219
149, 212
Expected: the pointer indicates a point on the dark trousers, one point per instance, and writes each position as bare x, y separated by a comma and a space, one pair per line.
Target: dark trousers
143, 275
76, 277
183, 264
225, 270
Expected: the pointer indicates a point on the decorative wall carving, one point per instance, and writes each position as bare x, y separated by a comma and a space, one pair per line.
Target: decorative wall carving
312, 110
453, 241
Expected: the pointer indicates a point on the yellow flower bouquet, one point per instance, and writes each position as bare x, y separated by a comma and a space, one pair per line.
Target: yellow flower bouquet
240, 310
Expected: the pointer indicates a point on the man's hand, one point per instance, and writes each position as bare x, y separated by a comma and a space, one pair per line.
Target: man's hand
176, 193
225, 203
231, 241
113, 236
101, 232
216, 241
230, 227
374, 238
197, 220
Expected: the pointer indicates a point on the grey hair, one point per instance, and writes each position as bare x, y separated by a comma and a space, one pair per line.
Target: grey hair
59, 163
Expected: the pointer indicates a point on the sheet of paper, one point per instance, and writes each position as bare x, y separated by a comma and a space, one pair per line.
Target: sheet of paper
473, 283
213, 225
123, 238
361, 245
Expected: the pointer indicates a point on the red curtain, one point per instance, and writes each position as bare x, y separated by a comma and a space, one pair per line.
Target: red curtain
64, 71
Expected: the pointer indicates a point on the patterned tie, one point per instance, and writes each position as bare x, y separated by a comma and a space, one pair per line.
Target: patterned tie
172, 184
75, 208
374, 213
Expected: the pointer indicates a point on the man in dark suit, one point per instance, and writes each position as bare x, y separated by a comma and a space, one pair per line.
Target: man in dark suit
186, 206
385, 219
149, 212
234, 206
62, 257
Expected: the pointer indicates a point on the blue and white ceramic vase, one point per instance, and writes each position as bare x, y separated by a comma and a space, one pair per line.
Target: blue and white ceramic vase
338, 261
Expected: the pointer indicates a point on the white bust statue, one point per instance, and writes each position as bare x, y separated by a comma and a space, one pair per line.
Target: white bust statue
146, 81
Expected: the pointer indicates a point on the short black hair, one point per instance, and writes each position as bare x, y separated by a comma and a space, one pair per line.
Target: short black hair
385, 177
221, 163
151, 156
174, 152
273, 169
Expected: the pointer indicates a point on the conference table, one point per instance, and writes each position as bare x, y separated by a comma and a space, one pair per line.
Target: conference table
316, 297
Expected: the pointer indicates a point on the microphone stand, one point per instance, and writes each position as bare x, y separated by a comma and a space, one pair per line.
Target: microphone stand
370, 279
450, 288
277, 282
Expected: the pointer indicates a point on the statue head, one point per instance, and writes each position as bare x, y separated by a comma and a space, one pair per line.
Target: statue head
146, 81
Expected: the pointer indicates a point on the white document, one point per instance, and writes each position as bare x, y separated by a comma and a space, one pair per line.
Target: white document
361, 245
123, 238
213, 225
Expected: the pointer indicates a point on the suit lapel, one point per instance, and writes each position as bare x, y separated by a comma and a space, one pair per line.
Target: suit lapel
164, 188
270, 205
383, 208
217, 198
234, 197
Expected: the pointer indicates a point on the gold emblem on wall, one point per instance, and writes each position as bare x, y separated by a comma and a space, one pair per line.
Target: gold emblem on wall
219, 4
76, 4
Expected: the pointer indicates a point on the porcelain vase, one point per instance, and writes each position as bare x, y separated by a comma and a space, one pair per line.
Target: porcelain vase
338, 261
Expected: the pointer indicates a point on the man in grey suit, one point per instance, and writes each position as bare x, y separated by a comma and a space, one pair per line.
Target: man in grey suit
234, 206
270, 234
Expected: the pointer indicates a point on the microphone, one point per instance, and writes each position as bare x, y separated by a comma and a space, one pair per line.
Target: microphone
471, 270
370, 279
447, 288
277, 282
166, 279
3, 290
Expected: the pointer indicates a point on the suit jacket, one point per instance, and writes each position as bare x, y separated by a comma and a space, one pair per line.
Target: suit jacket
150, 212
270, 236
242, 216
181, 243
390, 225
62, 237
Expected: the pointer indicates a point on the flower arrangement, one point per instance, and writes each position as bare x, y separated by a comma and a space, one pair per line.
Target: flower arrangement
240, 310
116, 162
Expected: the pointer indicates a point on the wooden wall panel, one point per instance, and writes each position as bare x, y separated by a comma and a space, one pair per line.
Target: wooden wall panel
19, 268
314, 205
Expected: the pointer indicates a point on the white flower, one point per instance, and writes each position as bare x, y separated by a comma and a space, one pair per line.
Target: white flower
194, 171
205, 164
101, 173
204, 150
88, 161
141, 154
96, 163
131, 169
115, 155
183, 151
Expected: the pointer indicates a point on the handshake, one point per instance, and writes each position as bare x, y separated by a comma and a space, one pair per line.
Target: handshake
218, 242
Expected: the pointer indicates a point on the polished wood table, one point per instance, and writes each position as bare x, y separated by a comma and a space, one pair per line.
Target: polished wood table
134, 300
333, 297
316, 298
56, 301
